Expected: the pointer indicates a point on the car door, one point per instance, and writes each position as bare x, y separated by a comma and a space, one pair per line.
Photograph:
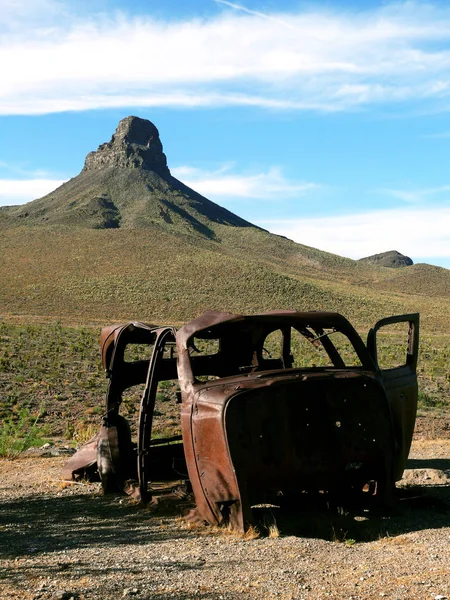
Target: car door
400, 383
155, 374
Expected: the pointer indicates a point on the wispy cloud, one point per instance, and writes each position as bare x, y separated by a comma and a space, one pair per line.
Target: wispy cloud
19, 191
224, 183
26, 173
442, 135
299, 60
415, 232
257, 13
416, 195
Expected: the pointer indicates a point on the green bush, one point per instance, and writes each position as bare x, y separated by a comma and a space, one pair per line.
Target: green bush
20, 432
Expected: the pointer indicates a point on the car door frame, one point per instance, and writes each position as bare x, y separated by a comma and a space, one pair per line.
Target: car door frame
401, 386
147, 407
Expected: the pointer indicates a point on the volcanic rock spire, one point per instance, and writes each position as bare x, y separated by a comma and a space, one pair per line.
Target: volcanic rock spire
135, 144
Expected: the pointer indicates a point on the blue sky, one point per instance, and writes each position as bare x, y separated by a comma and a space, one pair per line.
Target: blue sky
327, 122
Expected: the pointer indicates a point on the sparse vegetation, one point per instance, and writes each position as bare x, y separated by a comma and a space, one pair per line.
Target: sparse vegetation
252, 533
68, 274
272, 530
51, 366
20, 432
58, 366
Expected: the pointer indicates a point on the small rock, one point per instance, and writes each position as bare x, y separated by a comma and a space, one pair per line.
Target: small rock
62, 450
45, 446
439, 597
62, 595
129, 592
433, 476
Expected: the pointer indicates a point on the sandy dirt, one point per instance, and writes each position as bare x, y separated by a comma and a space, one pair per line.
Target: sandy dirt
62, 541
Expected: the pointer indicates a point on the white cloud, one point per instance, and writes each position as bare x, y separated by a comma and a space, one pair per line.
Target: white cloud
415, 232
221, 183
19, 191
416, 195
36, 106
443, 135
299, 60
218, 183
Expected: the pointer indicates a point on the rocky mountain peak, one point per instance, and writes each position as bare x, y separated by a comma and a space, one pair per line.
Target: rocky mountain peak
134, 145
126, 184
392, 259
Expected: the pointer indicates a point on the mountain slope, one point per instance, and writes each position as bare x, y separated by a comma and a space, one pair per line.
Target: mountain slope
77, 274
124, 239
420, 279
127, 198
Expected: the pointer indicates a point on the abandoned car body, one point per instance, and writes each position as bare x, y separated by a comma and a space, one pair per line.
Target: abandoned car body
272, 406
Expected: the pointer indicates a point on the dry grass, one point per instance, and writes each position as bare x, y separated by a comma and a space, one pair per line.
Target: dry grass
273, 531
252, 533
399, 540
84, 432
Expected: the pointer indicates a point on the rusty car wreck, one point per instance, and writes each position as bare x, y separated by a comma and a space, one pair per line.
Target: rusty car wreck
271, 406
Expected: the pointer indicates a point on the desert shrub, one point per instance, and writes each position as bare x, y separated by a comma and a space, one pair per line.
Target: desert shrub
20, 432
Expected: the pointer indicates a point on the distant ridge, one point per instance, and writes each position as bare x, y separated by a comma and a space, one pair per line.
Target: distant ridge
392, 259
126, 183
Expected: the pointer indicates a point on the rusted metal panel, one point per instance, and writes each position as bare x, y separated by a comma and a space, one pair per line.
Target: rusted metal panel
83, 461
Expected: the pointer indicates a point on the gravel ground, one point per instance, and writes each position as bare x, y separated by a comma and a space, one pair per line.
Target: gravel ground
62, 541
